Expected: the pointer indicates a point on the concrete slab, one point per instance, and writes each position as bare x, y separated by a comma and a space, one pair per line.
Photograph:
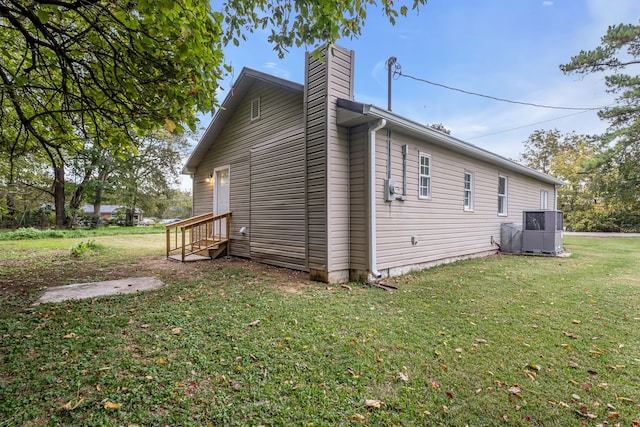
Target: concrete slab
98, 289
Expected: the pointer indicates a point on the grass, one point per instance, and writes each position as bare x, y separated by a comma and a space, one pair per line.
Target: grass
502, 340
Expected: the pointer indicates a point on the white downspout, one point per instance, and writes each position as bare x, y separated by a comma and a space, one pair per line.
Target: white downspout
371, 148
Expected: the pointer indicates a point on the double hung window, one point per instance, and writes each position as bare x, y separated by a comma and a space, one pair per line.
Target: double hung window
502, 195
424, 191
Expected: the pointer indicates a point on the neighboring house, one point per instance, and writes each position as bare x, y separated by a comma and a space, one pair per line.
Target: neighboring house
349, 191
108, 212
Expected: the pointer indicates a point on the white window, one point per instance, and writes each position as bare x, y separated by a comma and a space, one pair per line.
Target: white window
468, 191
255, 109
425, 177
502, 195
544, 200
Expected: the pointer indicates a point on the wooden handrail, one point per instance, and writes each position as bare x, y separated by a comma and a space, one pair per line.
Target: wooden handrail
198, 233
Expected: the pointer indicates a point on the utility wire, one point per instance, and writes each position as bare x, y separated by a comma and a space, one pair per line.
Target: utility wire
529, 125
401, 74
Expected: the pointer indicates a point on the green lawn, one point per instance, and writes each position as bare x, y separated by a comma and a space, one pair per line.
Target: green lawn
504, 340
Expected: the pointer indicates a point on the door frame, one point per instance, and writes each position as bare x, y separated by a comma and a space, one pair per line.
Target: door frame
220, 228
215, 187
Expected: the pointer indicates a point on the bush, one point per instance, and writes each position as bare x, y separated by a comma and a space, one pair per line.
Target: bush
82, 248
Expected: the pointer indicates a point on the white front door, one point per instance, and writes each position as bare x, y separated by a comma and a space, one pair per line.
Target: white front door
221, 197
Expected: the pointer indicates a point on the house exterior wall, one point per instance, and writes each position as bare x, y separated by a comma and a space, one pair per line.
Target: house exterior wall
443, 229
255, 203
358, 191
328, 214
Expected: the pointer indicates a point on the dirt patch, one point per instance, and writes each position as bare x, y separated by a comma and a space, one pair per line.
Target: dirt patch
27, 275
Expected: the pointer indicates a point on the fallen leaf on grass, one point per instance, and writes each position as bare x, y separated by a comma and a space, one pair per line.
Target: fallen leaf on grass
612, 415
515, 390
480, 341
176, 331
623, 399
586, 414
570, 335
372, 403
576, 322
347, 287
162, 361
357, 418
70, 336
403, 377
574, 365
72, 404
254, 323
111, 405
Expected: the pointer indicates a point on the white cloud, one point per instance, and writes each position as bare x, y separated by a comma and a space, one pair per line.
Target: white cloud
276, 70
547, 3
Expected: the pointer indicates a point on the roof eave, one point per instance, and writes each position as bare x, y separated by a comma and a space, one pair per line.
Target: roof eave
352, 113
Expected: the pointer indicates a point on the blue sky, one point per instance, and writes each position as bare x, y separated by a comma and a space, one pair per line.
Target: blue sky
504, 48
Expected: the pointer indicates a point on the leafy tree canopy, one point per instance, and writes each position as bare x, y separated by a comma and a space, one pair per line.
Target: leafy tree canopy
110, 70
620, 49
618, 52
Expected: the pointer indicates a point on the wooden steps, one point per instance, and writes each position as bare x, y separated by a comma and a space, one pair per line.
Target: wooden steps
203, 237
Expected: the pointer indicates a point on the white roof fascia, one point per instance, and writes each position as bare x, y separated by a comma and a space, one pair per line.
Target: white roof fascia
442, 139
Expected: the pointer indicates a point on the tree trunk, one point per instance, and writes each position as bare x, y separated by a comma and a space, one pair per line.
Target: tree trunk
76, 200
58, 196
10, 221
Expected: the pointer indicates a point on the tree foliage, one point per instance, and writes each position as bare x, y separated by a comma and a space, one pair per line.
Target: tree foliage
618, 52
79, 69
84, 69
586, 198
108, 72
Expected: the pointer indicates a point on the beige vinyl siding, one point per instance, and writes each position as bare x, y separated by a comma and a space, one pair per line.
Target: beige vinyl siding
443, 229
340, 68
280, 119
315, 128
278, 201
358, 198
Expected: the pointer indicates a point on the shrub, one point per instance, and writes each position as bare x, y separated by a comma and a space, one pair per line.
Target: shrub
82, 248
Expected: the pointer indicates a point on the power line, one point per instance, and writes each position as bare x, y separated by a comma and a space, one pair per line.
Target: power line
495, 98
529, 125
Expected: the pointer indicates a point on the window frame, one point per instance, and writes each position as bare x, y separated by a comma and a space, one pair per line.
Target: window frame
422, 155
544, 199
467, 203
503, 196
255, 107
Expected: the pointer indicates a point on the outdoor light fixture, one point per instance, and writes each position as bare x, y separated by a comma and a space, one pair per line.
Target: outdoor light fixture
209, 177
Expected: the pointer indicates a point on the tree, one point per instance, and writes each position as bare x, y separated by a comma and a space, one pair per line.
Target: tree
586, 197
620, 50
73, 70
564, 157
540, 150
149, 173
